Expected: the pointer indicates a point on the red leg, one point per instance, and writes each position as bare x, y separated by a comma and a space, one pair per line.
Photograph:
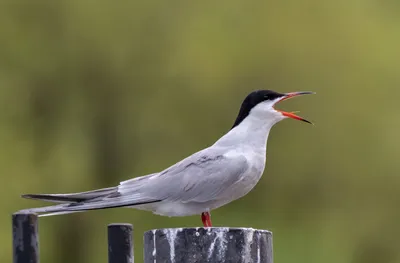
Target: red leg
206, 219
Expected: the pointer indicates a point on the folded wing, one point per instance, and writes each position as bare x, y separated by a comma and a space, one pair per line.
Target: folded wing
202, 177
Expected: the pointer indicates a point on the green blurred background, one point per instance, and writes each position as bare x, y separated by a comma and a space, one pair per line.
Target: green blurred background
96, 92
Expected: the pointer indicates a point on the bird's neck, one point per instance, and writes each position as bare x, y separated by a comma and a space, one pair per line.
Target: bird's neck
252, 131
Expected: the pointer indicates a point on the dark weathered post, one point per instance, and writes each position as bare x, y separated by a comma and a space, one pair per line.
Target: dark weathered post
120, 243
190, 245
25, 238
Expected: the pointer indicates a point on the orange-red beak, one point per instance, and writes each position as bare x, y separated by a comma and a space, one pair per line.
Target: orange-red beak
291, 114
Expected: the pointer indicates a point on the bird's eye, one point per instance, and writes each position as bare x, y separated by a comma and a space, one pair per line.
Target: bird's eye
266, 97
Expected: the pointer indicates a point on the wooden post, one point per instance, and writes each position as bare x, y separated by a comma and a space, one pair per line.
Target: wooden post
25, 238
190, 245
120, 243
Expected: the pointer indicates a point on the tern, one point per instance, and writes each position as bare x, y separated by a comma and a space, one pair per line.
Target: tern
204, 181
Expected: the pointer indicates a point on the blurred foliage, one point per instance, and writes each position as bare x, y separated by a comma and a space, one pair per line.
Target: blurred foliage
96, 92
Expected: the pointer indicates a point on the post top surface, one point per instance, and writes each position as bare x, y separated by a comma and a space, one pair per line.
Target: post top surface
212, 229
120, 224
21, 215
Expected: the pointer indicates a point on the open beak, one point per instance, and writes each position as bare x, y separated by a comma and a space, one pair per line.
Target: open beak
291, 114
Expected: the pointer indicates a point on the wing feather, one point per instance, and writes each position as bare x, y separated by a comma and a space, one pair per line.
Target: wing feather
199, 178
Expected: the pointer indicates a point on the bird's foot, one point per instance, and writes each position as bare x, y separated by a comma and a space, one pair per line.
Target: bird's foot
206, 218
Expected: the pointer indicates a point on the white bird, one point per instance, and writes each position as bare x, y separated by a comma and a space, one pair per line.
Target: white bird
206, 180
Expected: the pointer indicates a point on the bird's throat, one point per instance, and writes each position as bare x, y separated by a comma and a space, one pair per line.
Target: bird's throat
252, 131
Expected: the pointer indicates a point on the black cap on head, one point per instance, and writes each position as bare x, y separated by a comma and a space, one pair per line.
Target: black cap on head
252, 100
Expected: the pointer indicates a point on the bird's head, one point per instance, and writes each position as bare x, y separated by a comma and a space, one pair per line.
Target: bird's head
261, 103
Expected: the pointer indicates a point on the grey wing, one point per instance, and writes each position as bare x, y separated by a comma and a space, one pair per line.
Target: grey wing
199, 178
97, 199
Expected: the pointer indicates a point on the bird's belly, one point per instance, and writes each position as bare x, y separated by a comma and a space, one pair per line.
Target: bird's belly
166, 208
